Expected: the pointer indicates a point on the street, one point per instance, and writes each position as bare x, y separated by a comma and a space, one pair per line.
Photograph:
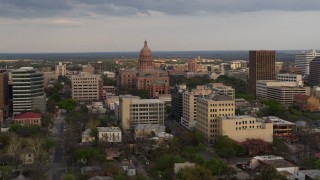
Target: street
58, 165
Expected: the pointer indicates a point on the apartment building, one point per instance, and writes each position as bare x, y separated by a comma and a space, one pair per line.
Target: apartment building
27, 90
134, 111
60, 70
242, 128
86, 87
109, 134
208, 110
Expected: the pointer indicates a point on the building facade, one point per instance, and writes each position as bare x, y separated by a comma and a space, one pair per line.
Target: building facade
134, 111
109, 134
314, 76
177, 101
145, 77
261, 67
284, 94
262, 86
88, 69
193, 66
28, 90
242, 128
302, 61
4, 93
86, 87
208, 111
290, 77
60, 70
28, 118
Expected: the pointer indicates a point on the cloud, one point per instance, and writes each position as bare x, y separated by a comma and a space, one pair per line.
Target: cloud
65, 22
72, 8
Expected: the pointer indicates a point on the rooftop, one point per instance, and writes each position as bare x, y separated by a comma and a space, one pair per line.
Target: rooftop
278, 163
267, 157
277, 121
27, 115
109, 129
142, 101
312, 173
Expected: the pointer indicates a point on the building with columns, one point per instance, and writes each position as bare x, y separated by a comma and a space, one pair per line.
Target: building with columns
146, 76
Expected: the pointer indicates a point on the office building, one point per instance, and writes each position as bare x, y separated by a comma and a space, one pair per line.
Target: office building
262, 85
221, 89
282, 128
261, 67
242, 128
60, 70
134, 111
189, 105
4, 93
302, 61
208, 110
284, 94
290, 77
27, 90
192, 66
279, 67
177, 100
88, 69
314, 76
86, 87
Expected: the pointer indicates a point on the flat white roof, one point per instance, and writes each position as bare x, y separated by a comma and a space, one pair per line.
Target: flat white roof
268, 157
109, 129
276, 120
142, 101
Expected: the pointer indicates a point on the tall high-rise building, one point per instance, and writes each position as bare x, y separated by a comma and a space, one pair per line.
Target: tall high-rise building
177, 101
261, 67
314, 76
4, 93
86, 87
27, 90
302, 61
60, 70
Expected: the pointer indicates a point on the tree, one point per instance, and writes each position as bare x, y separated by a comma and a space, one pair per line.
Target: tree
36, 143
217, 166
227, 147
46, 120
194, 173
270, 174
68, 104
68, 176
13, 146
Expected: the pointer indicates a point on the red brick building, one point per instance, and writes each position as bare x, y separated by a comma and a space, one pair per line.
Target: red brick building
28, 118
145, 76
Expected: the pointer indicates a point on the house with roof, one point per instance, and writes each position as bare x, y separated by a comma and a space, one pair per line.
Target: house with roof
128, 168
109, 134
27, 156
29, 118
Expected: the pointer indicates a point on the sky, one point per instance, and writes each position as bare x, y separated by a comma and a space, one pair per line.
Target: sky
168, 25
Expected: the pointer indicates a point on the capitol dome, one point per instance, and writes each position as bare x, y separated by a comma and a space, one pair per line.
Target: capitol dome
145, 59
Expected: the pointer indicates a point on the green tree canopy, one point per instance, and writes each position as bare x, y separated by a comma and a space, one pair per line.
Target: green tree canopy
195, 173
68, 104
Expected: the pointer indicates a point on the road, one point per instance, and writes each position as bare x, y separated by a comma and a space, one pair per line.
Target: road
58, 164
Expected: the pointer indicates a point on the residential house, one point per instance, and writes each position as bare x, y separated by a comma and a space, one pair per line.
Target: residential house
128, 168
30, 118
109, 134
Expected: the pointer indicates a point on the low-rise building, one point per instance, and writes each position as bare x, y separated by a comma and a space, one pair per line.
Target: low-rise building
262, 86
221, 89
142, 131
109, 134
86, 136
27, 156
282, 128
284, 95
29, 118
310, 174
110, 102
178, 166
290, 77
109, 74
241, 128
276, 162
128, 168
307, 103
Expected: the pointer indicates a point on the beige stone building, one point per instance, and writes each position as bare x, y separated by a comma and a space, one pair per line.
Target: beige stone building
60, 70
189, 105
134, 111
208, 110
241, 128
88, 69
86, 87
284, 95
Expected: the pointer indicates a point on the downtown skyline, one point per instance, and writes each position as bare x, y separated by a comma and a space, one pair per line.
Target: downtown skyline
107, 26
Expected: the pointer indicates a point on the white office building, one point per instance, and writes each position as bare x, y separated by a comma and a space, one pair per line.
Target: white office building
302, 61
28, 90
